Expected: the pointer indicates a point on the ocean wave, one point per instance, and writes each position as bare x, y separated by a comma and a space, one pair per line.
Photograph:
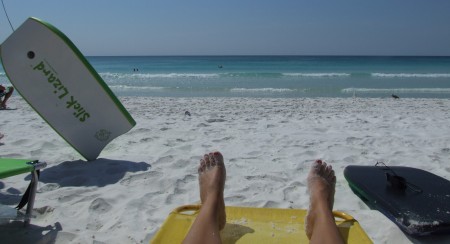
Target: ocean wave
250, 74
317, 74
124, 87
396, 90
154, 76
271, 90
411, 75
107, 75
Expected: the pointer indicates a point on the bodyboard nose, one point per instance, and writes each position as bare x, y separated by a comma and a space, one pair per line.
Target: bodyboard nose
54, 77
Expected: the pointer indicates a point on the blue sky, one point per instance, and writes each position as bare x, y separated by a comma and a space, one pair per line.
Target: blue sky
243, 27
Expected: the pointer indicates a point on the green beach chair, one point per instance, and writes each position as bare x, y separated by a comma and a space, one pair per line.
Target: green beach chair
12, 167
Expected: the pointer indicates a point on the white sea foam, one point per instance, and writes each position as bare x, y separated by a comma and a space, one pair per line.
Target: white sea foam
262, 90
153, 76
125, 87
411, 75
317, 74
396, 90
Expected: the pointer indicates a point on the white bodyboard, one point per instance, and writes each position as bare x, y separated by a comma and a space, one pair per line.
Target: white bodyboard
54, 77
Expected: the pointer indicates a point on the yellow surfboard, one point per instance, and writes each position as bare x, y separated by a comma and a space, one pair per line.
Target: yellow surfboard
257, 225
54, 77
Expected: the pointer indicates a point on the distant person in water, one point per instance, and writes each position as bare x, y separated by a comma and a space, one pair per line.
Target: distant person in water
5, 94
320, 225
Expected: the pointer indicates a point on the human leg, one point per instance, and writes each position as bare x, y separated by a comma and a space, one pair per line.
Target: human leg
320, 225
211, 218
6, 97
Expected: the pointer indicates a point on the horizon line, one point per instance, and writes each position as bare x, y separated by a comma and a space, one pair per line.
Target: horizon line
263, 55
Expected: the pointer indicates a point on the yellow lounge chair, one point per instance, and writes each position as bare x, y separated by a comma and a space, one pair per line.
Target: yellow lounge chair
257, 225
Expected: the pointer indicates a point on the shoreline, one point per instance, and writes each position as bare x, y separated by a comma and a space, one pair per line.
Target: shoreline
268, 145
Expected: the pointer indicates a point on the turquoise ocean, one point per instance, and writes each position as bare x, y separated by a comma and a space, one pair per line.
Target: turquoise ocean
274, 76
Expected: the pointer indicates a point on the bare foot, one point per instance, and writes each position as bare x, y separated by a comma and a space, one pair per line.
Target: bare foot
211, 177
321, 187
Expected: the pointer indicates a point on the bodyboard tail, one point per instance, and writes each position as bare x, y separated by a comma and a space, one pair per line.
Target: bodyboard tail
417, 201
54, 77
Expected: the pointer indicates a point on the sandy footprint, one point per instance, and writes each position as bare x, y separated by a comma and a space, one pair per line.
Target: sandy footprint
98, 208
141, 179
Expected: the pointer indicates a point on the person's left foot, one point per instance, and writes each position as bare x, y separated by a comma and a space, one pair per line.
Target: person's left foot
211, 177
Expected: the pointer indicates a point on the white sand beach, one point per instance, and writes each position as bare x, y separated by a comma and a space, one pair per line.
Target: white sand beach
268, 145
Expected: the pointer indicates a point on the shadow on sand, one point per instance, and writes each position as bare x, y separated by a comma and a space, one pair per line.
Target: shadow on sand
15, 232
100, 172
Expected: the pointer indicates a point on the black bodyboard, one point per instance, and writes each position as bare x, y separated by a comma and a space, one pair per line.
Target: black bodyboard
416, 200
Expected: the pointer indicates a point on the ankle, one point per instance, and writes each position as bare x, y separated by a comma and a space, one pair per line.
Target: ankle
320, 198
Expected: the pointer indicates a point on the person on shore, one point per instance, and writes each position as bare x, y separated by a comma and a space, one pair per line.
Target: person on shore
320, 225
5, 93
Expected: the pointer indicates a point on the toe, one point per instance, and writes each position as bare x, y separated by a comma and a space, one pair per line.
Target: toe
207, 162
201, 167
212, 159
328, 172
322, 170
316, 166
218, 158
